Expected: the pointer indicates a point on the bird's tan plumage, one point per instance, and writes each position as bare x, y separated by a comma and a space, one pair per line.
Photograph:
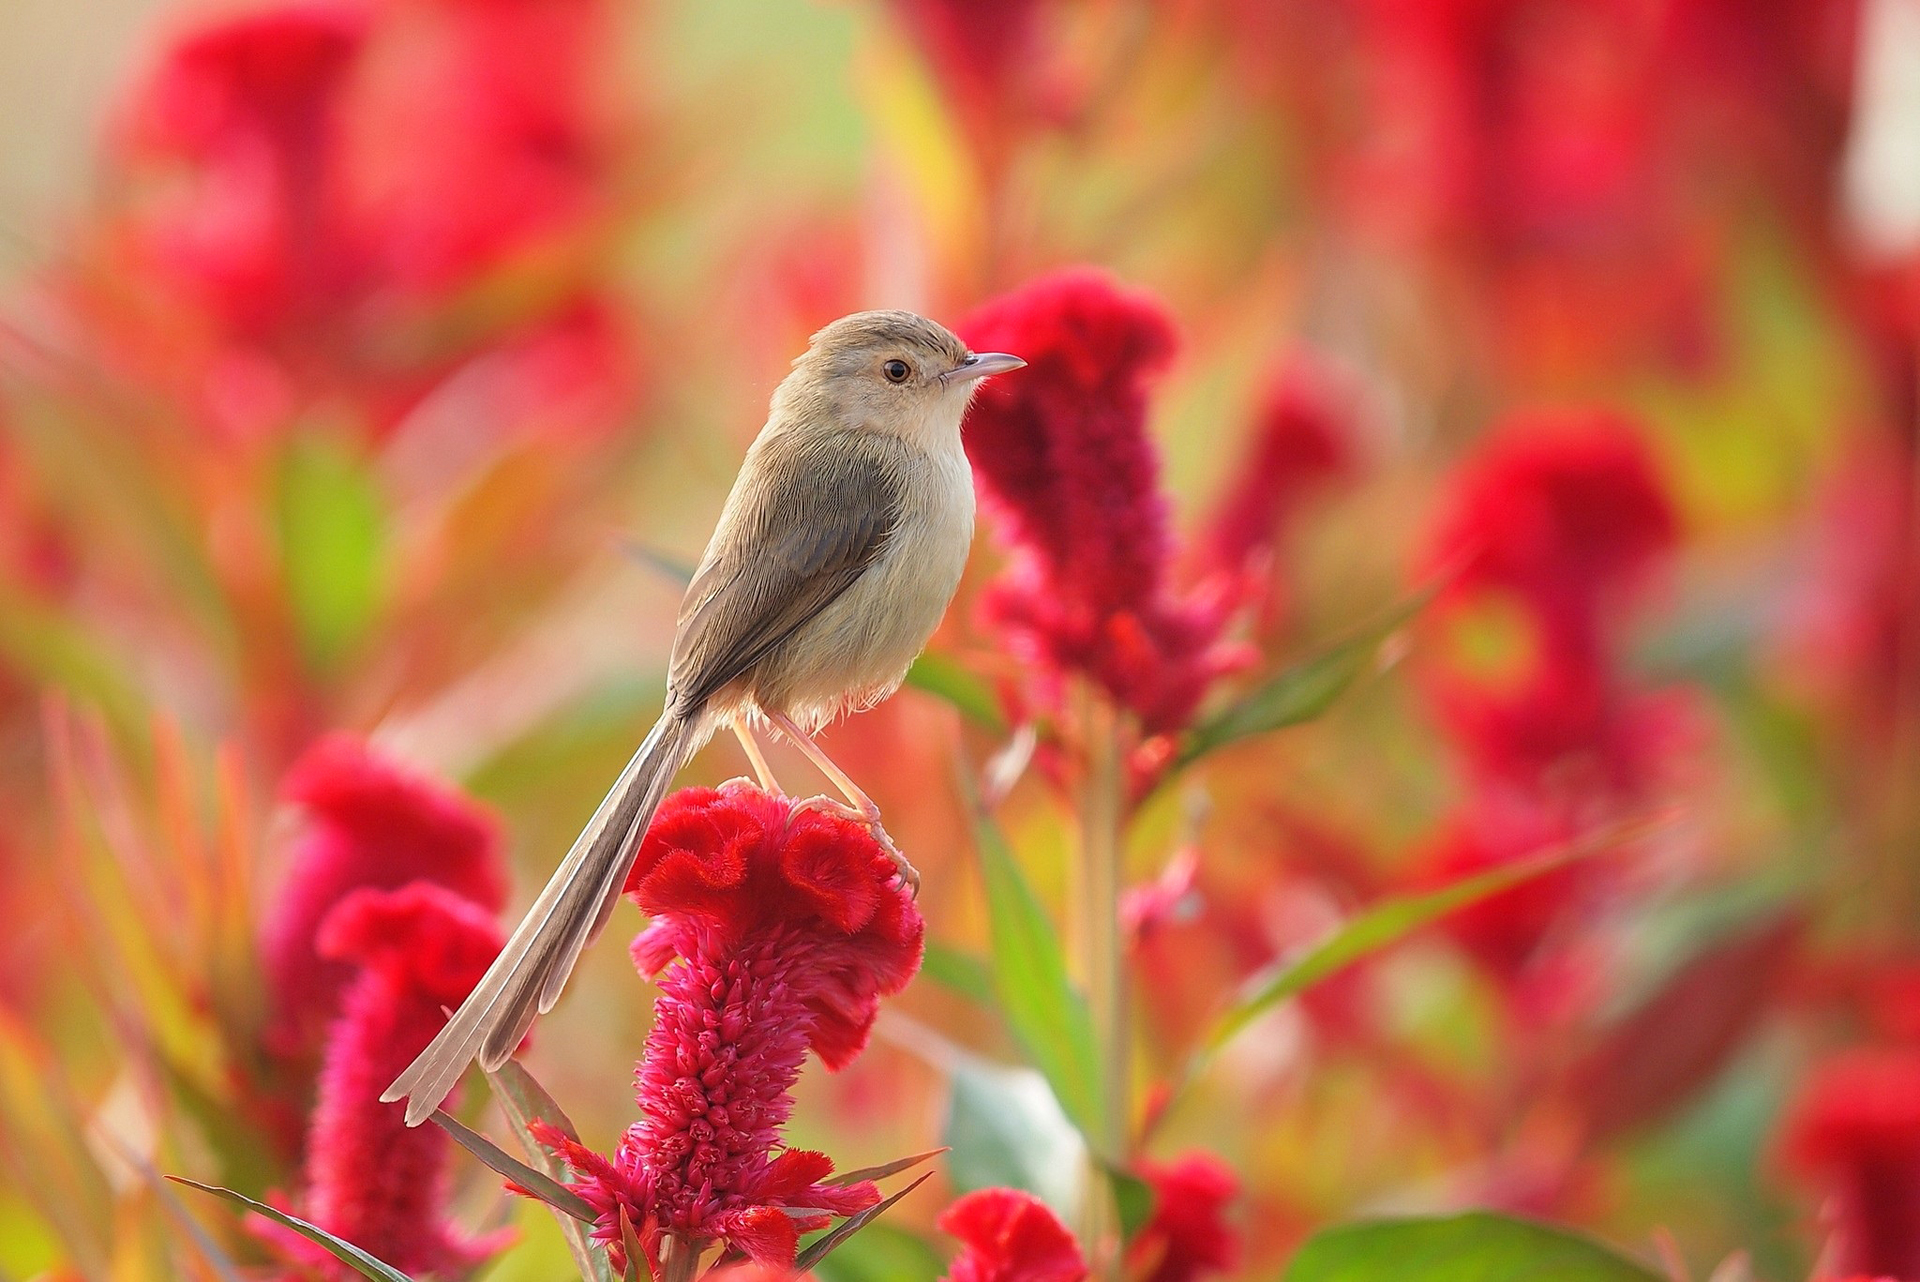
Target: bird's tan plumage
838, 549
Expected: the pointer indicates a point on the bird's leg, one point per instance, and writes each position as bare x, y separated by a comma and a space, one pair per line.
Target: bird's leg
860, 807
761, 770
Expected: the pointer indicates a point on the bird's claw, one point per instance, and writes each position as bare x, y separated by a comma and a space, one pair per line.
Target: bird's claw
870, 820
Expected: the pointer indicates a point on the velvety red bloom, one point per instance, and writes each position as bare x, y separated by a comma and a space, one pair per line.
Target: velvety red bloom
1505, 931
1009, 1236
370, 1178
1304, 436
368, 823
1554, 523
1854, 1132
487, 143
1188, 1236
233, 140
780, 929
1062, 454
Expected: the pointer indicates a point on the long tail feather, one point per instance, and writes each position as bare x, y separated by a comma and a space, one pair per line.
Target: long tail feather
526, 978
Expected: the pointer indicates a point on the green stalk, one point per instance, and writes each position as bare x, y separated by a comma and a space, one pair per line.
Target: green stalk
1102, 806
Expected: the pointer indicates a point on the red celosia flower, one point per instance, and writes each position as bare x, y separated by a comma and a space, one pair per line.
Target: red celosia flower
1009, 1236
1062, 453
1855, 1132
250, 106
780, 930
1303, 437
368, 823
1552, 525
370, 1178
1187, 1237
488, 142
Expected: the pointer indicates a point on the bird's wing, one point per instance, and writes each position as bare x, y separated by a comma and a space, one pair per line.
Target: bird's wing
822, 511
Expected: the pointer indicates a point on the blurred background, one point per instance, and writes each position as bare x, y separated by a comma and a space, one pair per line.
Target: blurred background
371, 370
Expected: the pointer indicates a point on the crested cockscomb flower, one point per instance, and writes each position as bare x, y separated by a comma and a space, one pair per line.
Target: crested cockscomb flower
366, 822
778, 929
370, 1178
1187, 1237
1854, 1134
1010, 1236
1067, 468
1550, 528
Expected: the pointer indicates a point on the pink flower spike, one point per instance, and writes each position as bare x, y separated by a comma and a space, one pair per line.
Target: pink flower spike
1063, 458
368, 824
779, 930
370, 1178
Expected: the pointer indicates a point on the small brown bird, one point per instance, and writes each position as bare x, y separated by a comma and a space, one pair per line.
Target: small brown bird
836, 554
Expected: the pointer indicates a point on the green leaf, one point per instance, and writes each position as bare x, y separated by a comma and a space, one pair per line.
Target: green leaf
819, 1249
957, 972
1006, 1129
1132, 1197
941, 677
1392, 920
1042, 1007
1476, 1247
545, 1187
885, 1169
639, 1267
1298, 693
332, 527
882, 1253
1028, 972
345, 1252
524, 1101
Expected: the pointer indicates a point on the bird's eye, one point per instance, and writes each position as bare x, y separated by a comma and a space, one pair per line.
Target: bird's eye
896, 371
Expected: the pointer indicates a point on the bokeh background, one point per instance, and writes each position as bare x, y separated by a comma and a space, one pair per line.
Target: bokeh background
370, 370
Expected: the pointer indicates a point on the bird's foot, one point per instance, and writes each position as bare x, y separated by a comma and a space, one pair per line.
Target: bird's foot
870, 820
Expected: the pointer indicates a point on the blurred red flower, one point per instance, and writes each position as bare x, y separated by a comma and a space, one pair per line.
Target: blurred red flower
1062, 453
370, 1178
1187, 1237
1009, 1236
368, 823
232, 143
789, 926
1554, 523
1854, 1133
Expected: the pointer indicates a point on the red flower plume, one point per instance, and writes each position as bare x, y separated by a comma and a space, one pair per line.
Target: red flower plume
1009, 1236
368, 824
1062, 454
780, 929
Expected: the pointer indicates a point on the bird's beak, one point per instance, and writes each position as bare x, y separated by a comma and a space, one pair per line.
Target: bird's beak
983, 365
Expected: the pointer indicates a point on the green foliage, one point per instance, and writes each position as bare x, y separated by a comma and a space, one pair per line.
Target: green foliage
882, 1253
1007, 1129
1041, 1004
1476, 1247
1387, 923
543, 1186
828, 1242
1300, 693
332, 527
524, 1101
345, 1252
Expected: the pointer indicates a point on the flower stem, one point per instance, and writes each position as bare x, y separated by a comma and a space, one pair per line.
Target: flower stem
1101, 820
679, 1259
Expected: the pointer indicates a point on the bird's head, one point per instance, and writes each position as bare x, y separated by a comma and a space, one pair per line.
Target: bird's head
891, 371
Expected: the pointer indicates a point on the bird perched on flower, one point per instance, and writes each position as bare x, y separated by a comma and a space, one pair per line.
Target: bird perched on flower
836, 554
